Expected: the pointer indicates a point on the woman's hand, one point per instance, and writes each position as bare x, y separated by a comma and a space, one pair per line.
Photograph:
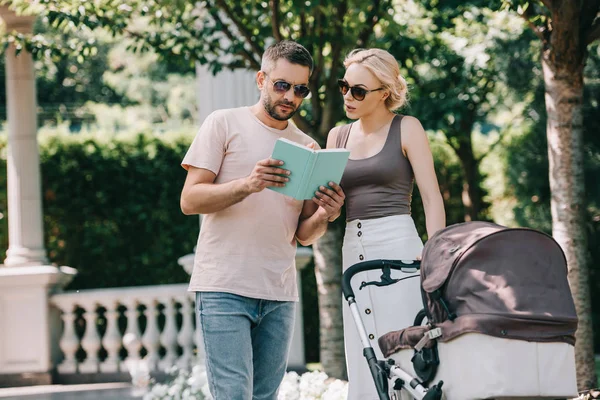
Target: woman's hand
330, 201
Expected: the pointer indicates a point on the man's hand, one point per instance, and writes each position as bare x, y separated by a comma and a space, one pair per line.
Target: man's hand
330, 201
266, 173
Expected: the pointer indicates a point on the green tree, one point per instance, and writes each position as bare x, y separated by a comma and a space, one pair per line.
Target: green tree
565, 30
65, 84
527, 161
454, 63
76, 87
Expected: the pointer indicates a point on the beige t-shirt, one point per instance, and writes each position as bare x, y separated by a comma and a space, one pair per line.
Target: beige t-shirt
249, 248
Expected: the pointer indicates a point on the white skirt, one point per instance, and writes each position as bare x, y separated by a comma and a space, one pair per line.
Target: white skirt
383, 309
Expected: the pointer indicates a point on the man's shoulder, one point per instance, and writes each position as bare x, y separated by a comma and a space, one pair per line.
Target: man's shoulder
227, 114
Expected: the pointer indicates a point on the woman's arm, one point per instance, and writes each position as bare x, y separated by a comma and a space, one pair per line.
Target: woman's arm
416, 147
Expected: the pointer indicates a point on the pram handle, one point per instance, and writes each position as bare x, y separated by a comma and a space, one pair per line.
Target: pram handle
372, 265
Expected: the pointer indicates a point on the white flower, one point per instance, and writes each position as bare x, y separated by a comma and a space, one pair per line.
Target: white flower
337, 390
158, 391
197, 379
289, 390
312, 385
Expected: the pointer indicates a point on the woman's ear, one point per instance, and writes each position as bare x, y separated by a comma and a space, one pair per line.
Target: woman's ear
386, 94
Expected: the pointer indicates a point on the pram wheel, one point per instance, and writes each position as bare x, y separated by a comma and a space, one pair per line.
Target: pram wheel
425, 363
421, 315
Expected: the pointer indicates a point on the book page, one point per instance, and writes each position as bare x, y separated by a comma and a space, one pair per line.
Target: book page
296, 157
329, 166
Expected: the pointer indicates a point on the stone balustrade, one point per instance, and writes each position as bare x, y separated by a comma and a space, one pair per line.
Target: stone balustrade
104, 329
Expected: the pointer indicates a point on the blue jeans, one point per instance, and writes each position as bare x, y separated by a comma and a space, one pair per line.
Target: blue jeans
246, 342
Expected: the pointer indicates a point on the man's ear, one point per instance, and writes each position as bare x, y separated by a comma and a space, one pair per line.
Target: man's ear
260, 79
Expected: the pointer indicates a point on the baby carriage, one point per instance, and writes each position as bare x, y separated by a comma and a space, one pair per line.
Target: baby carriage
500, 319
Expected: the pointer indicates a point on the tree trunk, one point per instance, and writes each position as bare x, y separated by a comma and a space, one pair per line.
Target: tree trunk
328, 271
471, 193
463, 148
564, 96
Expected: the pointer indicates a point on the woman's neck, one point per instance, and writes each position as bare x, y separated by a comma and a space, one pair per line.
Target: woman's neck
374, 121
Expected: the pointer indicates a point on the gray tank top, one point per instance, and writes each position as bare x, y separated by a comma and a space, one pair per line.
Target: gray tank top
381, 185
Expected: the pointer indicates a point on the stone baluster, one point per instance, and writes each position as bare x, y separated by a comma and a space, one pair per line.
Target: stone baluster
91, 340
151, 338
112, 339
69, 342
131, 339
168, 337
186, 333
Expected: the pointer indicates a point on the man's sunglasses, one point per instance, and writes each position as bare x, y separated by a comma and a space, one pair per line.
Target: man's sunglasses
357, 92
282, 87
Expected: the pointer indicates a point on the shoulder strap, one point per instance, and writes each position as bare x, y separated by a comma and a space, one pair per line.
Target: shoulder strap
398, 122
342, 137
399, 118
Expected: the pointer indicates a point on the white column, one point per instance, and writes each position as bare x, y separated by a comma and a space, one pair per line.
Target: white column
25, 231
26, 281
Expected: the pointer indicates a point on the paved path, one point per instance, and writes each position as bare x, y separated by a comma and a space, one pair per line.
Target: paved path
98, 391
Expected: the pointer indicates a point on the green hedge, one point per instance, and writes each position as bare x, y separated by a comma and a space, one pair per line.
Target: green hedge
111, 208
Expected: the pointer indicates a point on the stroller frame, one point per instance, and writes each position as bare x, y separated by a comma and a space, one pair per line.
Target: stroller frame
385, 371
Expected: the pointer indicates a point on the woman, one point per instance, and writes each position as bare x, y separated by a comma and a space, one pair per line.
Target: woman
387, 153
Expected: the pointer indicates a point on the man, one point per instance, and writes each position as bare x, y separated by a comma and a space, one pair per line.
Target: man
244, 272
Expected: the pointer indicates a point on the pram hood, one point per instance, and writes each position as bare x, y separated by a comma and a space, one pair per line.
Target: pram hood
498, 281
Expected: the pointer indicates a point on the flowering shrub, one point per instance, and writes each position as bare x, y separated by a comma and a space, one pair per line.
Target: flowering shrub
193, 385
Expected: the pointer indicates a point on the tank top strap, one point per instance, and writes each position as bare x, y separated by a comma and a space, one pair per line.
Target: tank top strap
342, 137
395, 134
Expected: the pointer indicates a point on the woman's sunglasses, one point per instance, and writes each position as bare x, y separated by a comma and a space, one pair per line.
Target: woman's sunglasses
282, 87
356, 91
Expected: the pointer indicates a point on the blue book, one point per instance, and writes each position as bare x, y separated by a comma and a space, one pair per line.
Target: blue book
309, 168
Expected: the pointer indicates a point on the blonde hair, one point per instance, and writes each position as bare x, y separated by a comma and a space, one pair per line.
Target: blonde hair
385, 67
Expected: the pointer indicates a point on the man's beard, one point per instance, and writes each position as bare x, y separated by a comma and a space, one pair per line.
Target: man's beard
270, 109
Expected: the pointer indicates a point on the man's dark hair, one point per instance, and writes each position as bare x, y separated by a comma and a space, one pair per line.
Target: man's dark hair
288, 49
